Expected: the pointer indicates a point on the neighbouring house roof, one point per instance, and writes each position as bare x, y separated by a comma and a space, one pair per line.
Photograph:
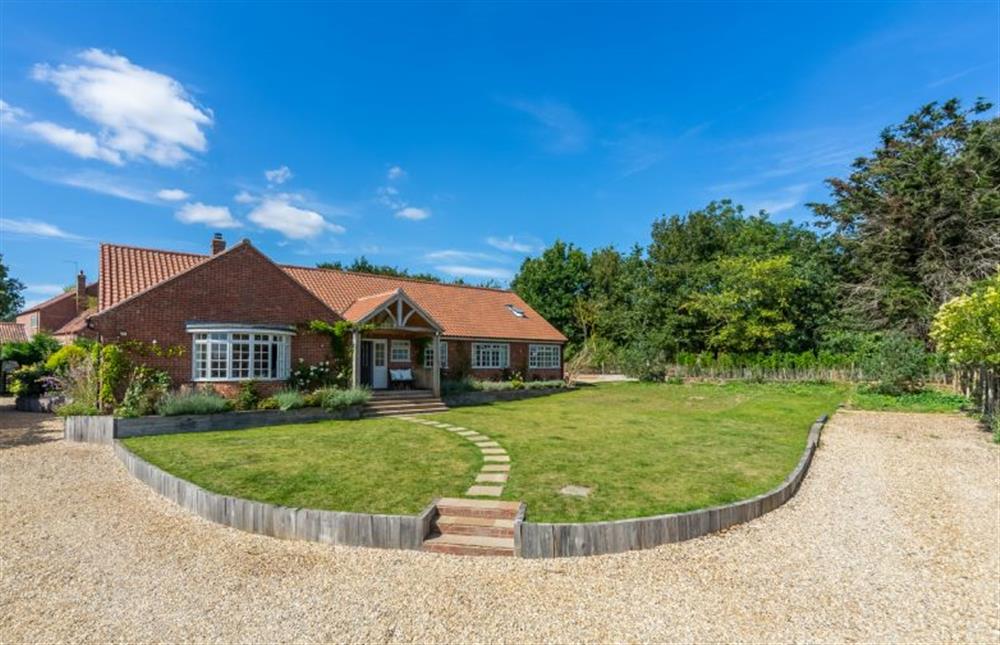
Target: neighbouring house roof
12, 332
54, 299
461, 311
77, 324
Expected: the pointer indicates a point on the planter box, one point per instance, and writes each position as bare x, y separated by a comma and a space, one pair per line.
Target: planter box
482, 398
104, 429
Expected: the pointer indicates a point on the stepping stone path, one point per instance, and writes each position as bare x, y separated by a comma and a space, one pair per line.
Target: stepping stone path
475, 526
496, 466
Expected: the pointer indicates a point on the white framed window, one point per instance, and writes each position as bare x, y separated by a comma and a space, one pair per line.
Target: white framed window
399, 351
490, 356
429, 355
240, 356
542, 357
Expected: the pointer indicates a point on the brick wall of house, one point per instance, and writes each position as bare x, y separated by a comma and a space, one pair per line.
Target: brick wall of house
239, 286
460, 363
54, 315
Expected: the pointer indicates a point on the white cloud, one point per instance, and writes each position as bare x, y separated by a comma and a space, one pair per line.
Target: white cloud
460, 270
172, 194
10, 114
81, 144
244, 197
786, 198
395, 172
514, 245
563, 130
413, 213
35, 228
277, 214
388, 196
101, 183
141, 113
45, 289
211, 216
451, 255
278, 175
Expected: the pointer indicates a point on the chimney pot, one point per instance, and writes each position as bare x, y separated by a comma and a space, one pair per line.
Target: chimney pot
81, 292
218, 244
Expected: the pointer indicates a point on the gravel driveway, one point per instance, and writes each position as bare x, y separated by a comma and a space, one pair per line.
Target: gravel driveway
893, 536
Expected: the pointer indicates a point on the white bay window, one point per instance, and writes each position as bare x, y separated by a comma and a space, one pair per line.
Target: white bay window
240, 355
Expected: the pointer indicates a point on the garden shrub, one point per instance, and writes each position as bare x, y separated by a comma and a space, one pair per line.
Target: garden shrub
457, 386
308, 377
193, 402
28, 380
268, 403
899, 364
66, 356
145, 389
337, 399
77, 409
289, 400
112, 372
248, 397
36, 350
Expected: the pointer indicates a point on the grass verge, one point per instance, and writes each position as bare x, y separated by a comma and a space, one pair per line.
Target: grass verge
368, 466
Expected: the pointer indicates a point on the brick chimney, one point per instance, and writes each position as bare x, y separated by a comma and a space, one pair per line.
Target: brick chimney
81, 292
218, 244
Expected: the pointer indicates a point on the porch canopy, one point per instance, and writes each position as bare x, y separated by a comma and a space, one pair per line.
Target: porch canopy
394, 311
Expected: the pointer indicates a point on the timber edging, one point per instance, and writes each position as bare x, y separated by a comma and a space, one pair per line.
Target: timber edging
328, 527
104, 428
537, 540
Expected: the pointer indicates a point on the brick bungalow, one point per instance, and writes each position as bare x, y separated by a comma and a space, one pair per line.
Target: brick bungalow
235, 315
64, 316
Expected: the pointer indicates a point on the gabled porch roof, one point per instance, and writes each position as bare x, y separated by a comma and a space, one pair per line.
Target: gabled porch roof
396, 308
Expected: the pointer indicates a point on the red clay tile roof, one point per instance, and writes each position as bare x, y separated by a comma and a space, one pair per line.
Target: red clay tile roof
462, 311
127, 270
12, 332
367, 304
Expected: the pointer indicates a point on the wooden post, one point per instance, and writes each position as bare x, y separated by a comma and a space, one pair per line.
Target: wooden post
436, 368
356, 358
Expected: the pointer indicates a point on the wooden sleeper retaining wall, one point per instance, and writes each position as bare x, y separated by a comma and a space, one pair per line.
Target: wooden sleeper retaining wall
103, 429
328, 527
537, 540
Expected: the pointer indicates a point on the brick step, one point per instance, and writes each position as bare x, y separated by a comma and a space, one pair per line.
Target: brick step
385, 405
470, 545
402, 394
431, 409
482, 526
479, 508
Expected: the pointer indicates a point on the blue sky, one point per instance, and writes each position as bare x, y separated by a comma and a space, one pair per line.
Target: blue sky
447, 138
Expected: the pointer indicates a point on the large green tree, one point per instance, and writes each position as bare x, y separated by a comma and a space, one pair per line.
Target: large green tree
11, 293
918, 220
689, 262
554, 283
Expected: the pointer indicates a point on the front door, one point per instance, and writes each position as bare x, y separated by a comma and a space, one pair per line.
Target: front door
380, 365
366, 363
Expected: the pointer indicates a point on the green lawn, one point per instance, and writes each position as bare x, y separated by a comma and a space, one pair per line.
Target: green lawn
646, 449
371, 466
642, 448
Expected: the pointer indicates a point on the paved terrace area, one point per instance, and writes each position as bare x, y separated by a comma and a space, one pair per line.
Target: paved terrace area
893, 536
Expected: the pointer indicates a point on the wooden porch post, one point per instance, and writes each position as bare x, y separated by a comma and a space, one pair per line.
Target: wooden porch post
356, 359
436, 369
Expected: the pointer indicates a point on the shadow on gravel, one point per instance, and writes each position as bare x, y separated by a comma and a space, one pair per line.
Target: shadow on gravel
26, 428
